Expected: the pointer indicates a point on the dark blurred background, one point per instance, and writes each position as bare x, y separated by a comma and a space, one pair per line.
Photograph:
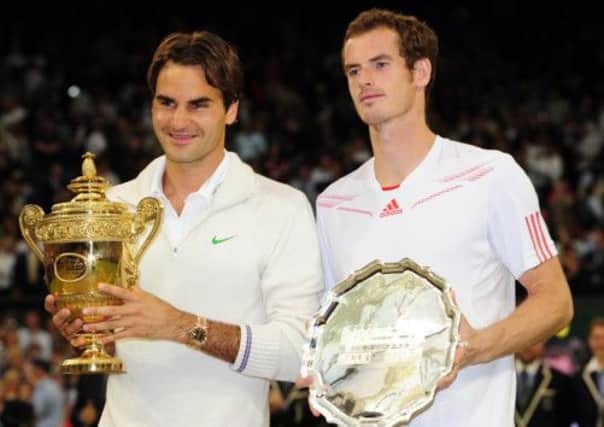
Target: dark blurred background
520, 77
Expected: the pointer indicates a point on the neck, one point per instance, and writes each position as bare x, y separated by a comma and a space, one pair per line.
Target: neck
181, 179
398, 147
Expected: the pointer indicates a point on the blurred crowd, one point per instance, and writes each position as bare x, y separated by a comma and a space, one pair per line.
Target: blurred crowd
33, 392
297, 125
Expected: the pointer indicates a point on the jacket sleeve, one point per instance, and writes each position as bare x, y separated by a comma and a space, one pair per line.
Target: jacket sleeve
291, 285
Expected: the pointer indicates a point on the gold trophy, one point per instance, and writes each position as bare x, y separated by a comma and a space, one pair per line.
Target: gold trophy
86, 241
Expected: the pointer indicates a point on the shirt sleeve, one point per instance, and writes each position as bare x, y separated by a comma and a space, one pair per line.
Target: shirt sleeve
291, 285
328, 276
516, 228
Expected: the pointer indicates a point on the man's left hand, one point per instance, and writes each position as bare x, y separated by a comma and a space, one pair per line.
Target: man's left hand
142, 315
464, 353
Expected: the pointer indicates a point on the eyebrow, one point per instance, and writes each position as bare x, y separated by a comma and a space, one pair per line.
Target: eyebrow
380, 57
200, 100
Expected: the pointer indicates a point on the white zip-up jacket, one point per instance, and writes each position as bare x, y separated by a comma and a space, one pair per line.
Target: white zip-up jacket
250, 259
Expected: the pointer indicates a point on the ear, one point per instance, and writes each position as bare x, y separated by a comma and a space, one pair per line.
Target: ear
422, 70
231, 112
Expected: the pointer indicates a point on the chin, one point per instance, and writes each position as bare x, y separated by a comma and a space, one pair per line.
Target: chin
372, 119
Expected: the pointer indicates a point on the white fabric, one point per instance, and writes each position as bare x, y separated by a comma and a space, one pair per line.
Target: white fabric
197, 204
266, 279
470, 214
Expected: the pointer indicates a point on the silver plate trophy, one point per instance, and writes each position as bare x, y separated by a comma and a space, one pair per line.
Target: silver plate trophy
380, 343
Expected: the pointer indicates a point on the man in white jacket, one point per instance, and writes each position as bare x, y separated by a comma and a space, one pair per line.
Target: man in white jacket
227, 284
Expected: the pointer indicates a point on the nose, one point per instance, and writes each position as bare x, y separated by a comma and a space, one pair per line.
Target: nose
179, 118
365, 78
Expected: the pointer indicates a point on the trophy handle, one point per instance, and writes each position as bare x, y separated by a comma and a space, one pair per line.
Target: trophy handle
148, 209
30, 216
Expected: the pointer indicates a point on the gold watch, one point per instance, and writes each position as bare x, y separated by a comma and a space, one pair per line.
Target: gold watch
199, 333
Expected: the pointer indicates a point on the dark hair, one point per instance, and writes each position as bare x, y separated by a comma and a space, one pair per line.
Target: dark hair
416, 39
217, 58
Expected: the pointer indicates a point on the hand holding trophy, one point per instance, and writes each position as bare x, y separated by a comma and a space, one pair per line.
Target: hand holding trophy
86, 241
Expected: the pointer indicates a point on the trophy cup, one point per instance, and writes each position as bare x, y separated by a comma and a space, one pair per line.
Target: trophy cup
86, 241
380, 343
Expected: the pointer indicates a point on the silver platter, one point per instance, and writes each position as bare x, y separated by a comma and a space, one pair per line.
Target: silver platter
380, 343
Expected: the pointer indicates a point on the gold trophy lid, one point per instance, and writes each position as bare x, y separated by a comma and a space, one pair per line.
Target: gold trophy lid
90, 196
88, 216
89, 186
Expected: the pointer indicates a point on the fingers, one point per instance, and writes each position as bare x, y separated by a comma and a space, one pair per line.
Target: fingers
446, 381
106, 311
67, 327
111, 338
78, 341
117, 291
303, 382
49, 304
453, 296
60, 318
457, 365
73, 328
105, 325
313, 410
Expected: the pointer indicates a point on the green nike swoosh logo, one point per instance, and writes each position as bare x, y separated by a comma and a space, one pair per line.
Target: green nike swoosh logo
216, 241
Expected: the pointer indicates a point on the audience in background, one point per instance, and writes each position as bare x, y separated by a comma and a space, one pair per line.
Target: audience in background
296, 125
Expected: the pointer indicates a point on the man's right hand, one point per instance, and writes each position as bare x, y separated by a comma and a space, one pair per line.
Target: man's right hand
303, 383
63, 322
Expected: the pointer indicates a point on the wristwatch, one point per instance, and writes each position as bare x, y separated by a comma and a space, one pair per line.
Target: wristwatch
199, 333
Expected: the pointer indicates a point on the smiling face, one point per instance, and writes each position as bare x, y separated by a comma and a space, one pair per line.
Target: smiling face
189, 116
380, 83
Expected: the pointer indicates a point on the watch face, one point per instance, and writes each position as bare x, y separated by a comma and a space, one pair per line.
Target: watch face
198, 334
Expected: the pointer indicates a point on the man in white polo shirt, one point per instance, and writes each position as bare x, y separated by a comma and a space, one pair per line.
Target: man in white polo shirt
227, 284
470, 214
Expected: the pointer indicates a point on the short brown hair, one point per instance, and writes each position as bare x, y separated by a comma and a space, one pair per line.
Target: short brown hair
217, 58
416, 39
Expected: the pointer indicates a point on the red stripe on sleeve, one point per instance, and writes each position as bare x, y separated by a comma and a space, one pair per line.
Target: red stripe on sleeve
540, 222
534, 227
530, 230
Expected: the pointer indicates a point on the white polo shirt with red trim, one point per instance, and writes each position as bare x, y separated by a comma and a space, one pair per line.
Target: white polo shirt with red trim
472, 216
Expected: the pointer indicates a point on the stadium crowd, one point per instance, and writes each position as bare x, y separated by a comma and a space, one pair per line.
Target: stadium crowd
296, 125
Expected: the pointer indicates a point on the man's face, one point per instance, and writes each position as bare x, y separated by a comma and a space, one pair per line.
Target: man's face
380, 83
188, 114
596, 342
32, 320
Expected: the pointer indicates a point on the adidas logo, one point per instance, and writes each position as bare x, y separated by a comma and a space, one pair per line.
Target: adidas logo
392, 208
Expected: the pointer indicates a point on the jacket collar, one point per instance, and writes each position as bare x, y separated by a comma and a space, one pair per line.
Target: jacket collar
240, 183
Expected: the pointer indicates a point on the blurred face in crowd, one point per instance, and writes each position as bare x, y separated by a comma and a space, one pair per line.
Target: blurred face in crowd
380, 83
596, 342
32, 320
189, 117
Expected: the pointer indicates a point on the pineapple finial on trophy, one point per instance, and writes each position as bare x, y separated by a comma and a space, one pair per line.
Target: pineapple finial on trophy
88, 166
